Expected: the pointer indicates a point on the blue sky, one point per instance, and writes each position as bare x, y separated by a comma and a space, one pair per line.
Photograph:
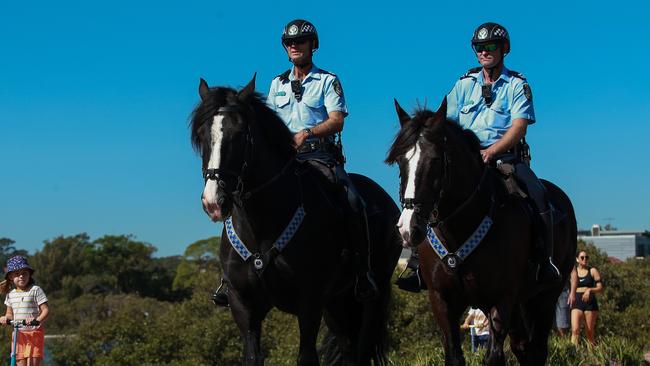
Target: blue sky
95, 98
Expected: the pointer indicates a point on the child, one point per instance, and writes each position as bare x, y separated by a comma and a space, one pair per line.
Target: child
480, 330
25, 302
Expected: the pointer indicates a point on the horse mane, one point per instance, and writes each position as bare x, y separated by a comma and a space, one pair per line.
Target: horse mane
429, 124
253, 109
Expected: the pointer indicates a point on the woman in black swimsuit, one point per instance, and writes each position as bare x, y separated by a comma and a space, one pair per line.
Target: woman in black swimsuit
585, 283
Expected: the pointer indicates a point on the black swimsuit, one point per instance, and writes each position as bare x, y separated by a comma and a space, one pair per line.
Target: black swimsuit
591, 304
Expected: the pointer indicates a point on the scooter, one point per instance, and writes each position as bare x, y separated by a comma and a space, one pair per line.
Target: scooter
17, 325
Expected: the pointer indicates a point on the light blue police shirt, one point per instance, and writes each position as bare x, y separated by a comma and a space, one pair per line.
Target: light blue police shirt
321, 94
512, 99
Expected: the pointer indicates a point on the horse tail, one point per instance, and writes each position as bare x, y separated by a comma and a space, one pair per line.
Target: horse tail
332, 353
568, 231
363, 339
359, 331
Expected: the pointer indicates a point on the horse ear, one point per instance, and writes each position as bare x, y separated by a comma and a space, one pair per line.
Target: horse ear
401, 114
204, 89
248, 90
443, 108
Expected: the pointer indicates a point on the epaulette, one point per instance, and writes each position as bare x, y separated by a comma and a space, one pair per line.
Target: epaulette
327, 72
516, 74
284, 76
469, 73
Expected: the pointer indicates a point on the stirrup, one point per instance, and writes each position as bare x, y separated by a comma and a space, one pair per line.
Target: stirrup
548, 273
411, 283
220, 298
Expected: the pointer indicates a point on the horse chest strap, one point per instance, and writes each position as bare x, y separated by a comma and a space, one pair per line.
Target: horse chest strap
280, 243
452, 260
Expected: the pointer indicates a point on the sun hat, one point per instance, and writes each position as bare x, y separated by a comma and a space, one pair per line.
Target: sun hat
17, 263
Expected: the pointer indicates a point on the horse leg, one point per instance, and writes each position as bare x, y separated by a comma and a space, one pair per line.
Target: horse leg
500, 317
309, 323
541, 313
249, 321
519, 338
448, 317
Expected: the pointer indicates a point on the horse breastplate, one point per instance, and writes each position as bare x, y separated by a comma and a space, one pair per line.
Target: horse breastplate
454, 259
280, 243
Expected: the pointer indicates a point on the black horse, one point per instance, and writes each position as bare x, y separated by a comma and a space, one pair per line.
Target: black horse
475, 239
289, 229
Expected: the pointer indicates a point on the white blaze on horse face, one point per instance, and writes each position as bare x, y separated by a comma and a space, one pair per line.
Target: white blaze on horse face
210, 190
404, 223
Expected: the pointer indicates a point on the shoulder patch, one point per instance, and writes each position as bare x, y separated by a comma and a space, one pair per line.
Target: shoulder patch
284, 76
516, 74
338, 89
527, 92
469, 73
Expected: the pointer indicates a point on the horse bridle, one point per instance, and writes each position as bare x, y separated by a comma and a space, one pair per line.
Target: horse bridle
218, 174
434, 218
421, 208
238, 194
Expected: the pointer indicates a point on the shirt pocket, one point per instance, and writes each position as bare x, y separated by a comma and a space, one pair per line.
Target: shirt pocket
315, 103
281, 101
500, 115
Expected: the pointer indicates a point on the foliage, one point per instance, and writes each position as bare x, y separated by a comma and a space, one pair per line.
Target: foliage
68, 267
118, 304
199, 257
8, 250
610, 351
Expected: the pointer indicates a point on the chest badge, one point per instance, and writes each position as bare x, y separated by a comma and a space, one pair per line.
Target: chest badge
280, 93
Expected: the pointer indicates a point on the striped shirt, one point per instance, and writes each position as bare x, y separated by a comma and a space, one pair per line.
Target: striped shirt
25, 304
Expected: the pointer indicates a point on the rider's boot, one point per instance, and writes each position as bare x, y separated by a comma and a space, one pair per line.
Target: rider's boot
547, 272
414, 281
220, 296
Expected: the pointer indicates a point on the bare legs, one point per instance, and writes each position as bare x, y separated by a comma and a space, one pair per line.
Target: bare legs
589, 318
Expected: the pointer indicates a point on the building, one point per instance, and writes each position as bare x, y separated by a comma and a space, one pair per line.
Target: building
618, 244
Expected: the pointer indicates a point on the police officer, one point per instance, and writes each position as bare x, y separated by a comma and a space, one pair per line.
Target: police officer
310, 101
497, 105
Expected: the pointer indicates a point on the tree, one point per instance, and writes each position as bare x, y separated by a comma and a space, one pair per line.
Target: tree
61, 260
8, 250
199, 257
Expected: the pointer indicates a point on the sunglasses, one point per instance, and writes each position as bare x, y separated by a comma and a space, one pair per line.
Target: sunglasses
486, 47
584, 257
296, 41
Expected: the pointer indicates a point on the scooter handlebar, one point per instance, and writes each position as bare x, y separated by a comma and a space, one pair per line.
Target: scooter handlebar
23, 323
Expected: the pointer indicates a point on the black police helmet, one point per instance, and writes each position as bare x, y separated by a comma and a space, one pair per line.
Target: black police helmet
492, 32
300, 28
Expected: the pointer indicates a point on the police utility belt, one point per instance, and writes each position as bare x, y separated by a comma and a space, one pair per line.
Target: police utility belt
318, 144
